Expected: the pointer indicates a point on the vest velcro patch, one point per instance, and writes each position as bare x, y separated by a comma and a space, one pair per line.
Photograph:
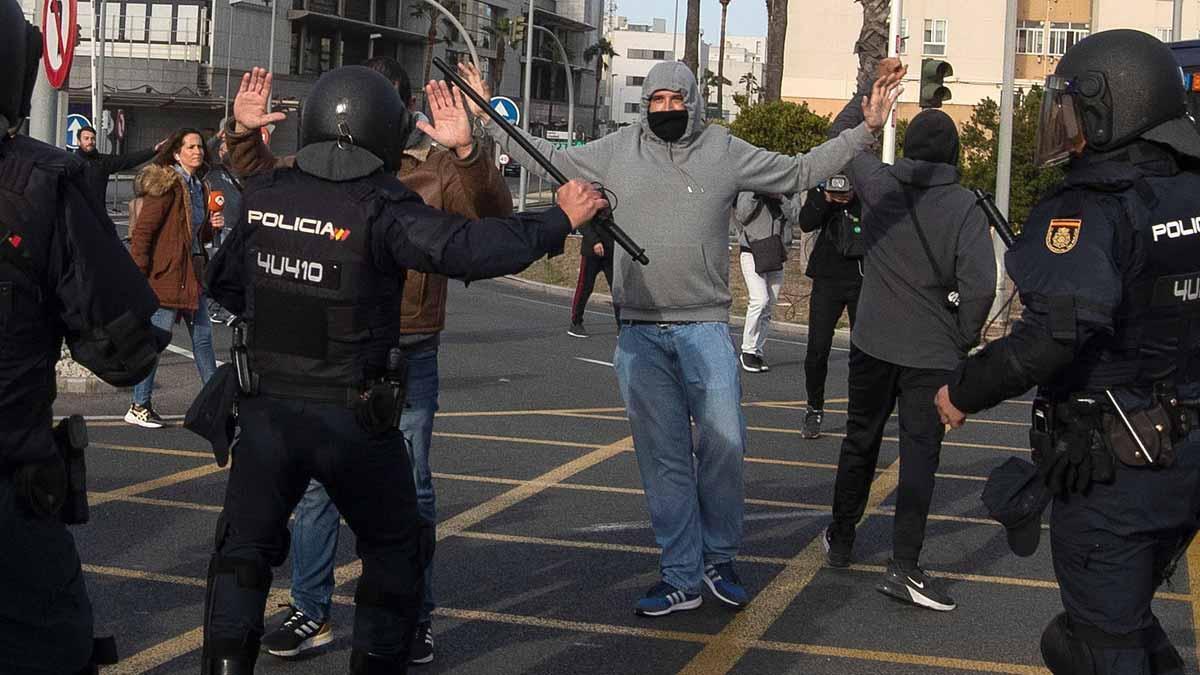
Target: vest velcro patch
1063, 234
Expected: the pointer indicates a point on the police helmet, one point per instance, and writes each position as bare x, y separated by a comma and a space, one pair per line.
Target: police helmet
20, 54
1109, 90
357, 106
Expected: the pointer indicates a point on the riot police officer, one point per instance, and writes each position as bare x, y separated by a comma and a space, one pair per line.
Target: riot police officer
1108, 267
63, 274
316, 271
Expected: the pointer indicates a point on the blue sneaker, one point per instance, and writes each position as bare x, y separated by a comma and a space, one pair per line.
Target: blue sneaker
664, 599
724, 583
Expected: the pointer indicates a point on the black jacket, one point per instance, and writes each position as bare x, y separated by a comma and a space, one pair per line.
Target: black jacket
97, 168
63, 274
825, 262
593, 236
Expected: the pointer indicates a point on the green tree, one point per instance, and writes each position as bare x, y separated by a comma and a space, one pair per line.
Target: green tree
429, 13
782, 127
711, 80
980, 148
751, 83
599, 51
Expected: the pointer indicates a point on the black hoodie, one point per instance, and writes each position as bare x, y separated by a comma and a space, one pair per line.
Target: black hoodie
97, 168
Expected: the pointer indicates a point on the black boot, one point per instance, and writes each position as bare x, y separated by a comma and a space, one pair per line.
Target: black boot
227, 666
229, 657
365, 663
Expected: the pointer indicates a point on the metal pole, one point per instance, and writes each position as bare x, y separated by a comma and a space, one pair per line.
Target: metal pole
43, 108
889, 129
675, 32
1005, 138
528, 101
701, 62
570, 85
461, 30
271, 49
98, 111
1177, 21
228, 58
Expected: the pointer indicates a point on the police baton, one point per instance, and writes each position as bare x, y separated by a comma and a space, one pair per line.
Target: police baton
602, 221
997, 219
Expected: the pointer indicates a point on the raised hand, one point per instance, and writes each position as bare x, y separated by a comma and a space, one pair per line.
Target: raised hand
451, 125
250, 105
474, 78
884, 93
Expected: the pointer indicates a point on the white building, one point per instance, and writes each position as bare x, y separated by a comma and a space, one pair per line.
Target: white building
639, 47
743, 56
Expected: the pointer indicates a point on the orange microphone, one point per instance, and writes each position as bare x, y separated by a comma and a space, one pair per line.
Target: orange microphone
216, 201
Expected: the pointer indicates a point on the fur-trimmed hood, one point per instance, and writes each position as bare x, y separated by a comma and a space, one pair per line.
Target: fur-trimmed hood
155, 180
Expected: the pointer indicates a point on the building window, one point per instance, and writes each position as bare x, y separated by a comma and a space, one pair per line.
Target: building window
935, 37
1164, 34
652, 54
902, 42
160, 23
135, 22
479, 19
1063, 36
634, 81
1031, 37
187, 25
633, 108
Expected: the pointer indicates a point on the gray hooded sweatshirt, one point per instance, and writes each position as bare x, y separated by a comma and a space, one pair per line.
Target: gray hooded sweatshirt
674, 198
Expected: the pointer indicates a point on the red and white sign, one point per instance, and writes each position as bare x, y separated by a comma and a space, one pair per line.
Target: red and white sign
59, 21
120, 124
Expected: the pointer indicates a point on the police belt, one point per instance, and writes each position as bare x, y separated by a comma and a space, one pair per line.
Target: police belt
343, 396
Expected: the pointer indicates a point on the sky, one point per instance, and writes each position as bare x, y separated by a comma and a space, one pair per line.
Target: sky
746, 17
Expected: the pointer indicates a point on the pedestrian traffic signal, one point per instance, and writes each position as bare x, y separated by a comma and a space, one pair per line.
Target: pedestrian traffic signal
516, 30
933, 92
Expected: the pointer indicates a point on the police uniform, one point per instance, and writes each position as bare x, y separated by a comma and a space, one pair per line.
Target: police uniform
1108, 268
316, 270
63, 273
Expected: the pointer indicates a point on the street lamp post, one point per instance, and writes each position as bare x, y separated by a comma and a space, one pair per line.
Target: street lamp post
562, 52
528, 100
721, 63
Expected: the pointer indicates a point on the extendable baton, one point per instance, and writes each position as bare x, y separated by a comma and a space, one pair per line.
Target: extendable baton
997, 219
603, 220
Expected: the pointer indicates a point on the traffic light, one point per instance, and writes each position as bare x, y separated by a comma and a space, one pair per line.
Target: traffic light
933, 92
516, 30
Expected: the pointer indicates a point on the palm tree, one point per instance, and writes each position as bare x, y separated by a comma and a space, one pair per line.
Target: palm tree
691, 36
502, 35
599, 51
711, 80
751, 83
777, 16
872, 40
721, 60
431, 14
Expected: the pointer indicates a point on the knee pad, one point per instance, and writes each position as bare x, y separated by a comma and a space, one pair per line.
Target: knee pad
1063, 652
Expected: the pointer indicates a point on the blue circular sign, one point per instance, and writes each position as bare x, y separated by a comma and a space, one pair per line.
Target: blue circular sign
507, 109
75, 122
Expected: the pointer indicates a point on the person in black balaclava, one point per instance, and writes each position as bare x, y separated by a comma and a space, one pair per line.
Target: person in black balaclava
928, 281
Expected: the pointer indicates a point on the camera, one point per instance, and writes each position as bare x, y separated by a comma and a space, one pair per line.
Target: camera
839, 184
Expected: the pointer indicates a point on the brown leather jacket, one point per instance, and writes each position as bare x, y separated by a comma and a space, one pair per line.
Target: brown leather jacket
470, 187
161, 237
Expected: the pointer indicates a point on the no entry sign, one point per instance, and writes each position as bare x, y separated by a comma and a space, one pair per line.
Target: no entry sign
59, 21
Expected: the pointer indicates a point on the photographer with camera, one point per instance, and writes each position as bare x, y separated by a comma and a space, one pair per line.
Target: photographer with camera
764, 226
835, 267
928, 280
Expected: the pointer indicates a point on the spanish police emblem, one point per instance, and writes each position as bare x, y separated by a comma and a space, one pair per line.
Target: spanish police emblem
1062, 235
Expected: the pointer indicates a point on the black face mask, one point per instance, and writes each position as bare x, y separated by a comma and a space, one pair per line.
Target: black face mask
669, 125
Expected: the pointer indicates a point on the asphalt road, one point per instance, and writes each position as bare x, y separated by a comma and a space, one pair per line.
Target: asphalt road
544, 536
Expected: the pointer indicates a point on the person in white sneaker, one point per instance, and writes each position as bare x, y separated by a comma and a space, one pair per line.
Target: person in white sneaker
759, 218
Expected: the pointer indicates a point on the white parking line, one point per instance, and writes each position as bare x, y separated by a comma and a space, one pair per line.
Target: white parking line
599, 363
645, 524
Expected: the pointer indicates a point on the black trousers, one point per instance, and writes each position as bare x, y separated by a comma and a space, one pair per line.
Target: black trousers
590, 267
825, 305
1111, 545
875, 388
284, 443
45, 614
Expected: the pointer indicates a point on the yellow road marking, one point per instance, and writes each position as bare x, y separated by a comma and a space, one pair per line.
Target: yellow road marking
893, 439
833, 467
722, 654
528, 413
150, 485
152, 451
515, 439
900, 657
1193, 565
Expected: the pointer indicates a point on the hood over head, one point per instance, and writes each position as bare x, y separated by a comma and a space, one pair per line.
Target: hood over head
675, 76
932, 137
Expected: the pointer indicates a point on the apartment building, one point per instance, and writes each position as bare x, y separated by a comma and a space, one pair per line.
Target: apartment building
820, 65
743, 68
168, 62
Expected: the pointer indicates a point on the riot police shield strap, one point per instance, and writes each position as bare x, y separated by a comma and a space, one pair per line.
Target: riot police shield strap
1060, 127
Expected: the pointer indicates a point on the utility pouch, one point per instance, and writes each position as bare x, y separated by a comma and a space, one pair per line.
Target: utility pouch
376, 409
247, 381
1041, 431
71, 437
1153, 429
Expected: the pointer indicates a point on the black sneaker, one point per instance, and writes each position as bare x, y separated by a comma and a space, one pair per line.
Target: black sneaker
913, 585
837, 551
144, 416
421, 650
812, 424
753, 363
297, 633
577, 330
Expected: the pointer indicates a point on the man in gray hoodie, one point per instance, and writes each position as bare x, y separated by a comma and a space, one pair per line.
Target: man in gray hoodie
925, 238
676, 180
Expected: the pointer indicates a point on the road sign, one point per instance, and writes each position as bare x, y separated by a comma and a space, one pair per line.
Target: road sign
120, 125
507, 109
503, 159
74, 124
59, 20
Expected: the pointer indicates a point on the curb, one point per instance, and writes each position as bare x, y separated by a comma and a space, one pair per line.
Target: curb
88, 384
781, 326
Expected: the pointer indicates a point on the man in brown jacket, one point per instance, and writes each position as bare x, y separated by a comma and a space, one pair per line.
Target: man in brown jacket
464, 182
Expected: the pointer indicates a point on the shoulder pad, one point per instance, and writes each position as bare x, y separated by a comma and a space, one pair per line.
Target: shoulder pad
384, 186
43, 156
264, 180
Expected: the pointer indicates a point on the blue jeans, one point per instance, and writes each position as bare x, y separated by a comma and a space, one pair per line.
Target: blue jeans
315, 531
200, 329
670, 376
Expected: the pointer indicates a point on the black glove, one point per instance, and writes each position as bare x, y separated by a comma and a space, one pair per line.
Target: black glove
42, 486
1079, 459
